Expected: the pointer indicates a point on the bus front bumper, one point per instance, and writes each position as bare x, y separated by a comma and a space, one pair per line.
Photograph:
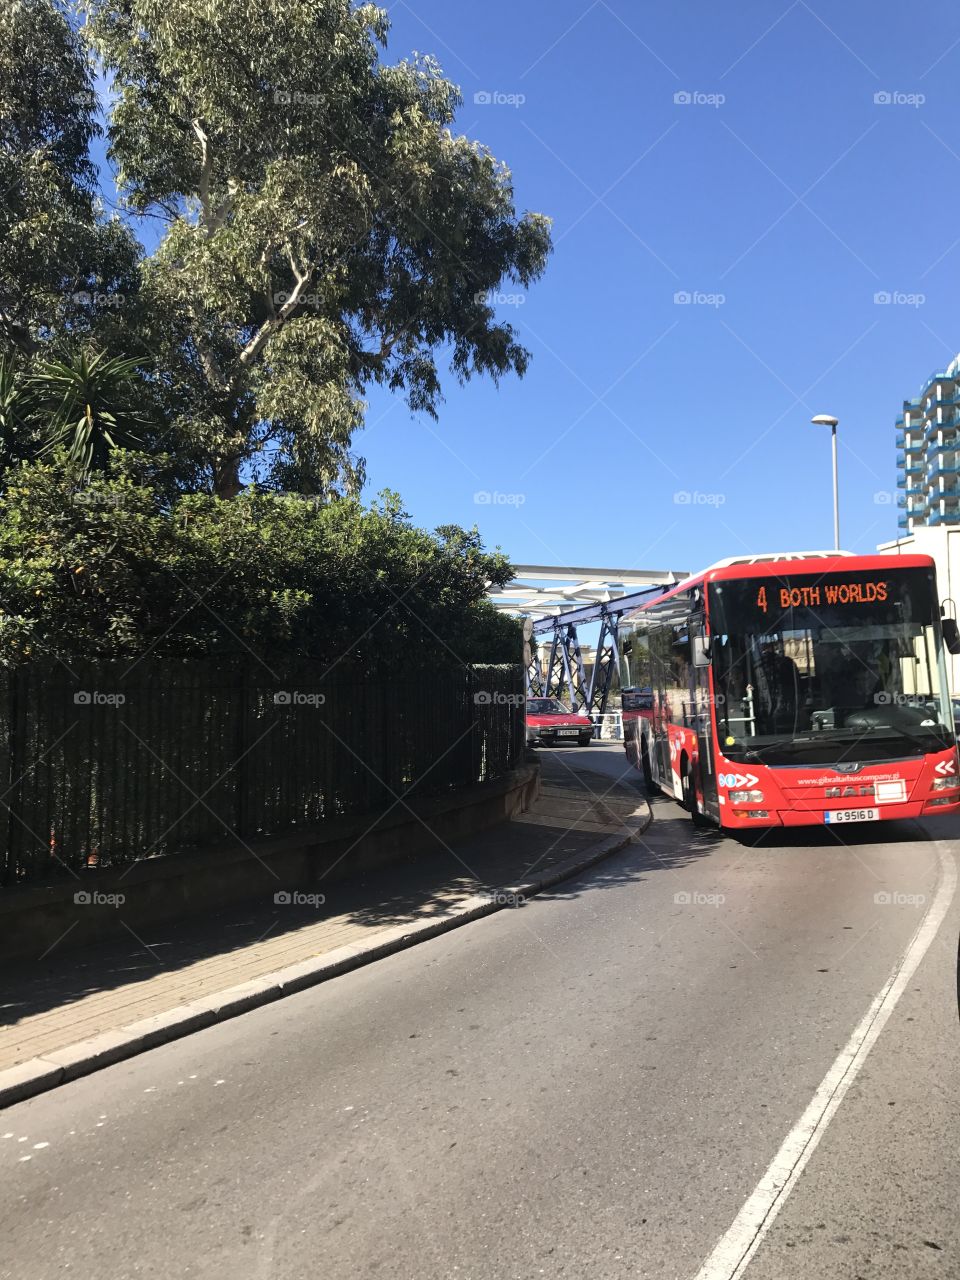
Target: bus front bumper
757, 817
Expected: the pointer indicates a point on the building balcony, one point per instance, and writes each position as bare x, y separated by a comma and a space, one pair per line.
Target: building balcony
939, 375
949, 428
943, 446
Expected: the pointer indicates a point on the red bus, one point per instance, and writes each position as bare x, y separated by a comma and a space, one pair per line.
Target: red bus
794, 689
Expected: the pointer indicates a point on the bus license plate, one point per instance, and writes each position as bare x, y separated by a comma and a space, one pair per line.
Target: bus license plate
851, 815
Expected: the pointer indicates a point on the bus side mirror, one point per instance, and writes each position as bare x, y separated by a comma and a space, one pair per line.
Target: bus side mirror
951, 634
701, 651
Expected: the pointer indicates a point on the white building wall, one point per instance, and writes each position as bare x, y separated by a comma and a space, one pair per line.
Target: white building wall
942, 544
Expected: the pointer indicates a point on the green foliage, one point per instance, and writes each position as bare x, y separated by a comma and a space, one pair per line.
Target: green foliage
84, 403
87, 404
19, 439
124, 565
62, 263
325, 229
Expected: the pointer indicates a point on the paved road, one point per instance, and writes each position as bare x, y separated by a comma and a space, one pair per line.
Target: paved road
591, 1086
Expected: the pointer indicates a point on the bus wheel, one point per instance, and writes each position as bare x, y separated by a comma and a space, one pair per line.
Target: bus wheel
651, 787
689, 801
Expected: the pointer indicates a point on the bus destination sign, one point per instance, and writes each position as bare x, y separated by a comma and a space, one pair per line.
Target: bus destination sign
820, 593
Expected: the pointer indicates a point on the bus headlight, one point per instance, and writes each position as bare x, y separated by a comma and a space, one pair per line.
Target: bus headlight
745, 797
945, 784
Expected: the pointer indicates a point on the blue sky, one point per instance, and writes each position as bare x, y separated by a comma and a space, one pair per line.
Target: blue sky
796, 198
814, 165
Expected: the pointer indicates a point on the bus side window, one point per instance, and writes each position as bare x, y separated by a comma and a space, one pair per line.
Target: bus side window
681, 690
659, 651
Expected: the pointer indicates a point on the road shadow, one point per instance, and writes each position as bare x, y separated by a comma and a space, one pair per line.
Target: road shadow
413, 891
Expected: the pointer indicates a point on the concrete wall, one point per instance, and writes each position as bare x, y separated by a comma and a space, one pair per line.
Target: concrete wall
155, 890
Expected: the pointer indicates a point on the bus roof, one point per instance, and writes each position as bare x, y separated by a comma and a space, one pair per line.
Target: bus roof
775, 565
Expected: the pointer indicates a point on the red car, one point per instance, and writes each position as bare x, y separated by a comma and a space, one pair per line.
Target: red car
549, 723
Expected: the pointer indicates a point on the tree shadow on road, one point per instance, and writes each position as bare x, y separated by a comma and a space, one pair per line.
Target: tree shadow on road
415, 891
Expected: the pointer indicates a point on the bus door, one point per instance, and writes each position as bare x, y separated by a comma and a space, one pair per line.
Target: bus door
703, 717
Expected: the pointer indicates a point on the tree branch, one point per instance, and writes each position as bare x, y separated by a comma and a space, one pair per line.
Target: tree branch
252, 350
203, 186
213, 219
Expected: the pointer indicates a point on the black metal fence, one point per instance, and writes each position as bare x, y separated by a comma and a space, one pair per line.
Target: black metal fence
111, 762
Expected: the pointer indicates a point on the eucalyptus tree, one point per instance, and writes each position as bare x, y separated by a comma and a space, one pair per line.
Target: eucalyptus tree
325, 229
63, 262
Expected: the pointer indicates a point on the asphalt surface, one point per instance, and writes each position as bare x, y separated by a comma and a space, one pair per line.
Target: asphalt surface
592, 1085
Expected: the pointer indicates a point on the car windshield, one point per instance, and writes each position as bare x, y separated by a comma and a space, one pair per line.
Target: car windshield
811, 669
545, 707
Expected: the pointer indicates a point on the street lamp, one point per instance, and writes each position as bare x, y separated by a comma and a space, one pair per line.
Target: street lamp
825, 420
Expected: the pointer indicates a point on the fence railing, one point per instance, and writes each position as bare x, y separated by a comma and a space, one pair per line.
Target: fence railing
111, 762
607, 725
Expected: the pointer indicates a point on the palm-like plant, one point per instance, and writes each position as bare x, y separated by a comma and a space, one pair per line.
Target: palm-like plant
87, 402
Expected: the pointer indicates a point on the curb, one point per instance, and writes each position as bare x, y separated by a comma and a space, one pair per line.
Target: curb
27, 1079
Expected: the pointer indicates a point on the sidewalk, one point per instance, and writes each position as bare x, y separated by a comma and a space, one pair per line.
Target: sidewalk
73, 1012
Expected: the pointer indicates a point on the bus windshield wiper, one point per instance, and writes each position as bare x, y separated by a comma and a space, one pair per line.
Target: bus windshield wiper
755, 752
822, 737
825, 737
938, 733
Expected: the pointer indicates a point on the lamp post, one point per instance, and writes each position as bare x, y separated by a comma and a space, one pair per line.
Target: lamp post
825, 420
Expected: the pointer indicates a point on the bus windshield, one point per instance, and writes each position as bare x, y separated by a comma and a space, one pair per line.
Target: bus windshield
815, 668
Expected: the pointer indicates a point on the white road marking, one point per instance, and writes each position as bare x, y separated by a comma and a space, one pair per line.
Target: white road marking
732, 1253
